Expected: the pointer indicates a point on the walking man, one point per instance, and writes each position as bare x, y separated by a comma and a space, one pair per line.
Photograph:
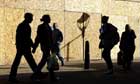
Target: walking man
109, 38
23, 46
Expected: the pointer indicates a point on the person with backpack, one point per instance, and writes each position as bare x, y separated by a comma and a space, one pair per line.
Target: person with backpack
57, 38
127, 46
109, 38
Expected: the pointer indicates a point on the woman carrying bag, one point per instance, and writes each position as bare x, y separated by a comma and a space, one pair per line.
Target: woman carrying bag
127, 46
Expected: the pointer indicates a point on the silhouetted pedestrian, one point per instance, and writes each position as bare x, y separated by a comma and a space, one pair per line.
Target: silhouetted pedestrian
23, 46
109, 38
127, 46
44, 38
57, 38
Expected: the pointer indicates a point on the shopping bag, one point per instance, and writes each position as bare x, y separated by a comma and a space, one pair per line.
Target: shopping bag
53, 62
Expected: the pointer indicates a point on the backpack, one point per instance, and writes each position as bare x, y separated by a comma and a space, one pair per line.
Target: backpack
116, 37
114, 34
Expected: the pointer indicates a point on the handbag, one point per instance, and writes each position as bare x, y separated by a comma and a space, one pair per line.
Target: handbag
120, 58
53, 62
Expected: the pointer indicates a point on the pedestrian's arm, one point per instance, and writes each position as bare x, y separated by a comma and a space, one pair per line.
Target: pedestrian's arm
37, 40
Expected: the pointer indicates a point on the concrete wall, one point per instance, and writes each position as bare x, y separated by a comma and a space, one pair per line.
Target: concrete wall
66, 13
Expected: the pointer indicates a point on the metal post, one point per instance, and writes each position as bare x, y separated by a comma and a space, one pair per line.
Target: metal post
87, 56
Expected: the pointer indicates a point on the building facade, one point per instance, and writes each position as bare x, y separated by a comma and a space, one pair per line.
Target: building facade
66, 13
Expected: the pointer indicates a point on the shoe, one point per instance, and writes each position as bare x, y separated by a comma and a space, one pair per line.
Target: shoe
62, 63
13, 80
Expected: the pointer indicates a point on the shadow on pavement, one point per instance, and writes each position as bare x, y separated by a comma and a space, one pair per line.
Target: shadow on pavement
94, 75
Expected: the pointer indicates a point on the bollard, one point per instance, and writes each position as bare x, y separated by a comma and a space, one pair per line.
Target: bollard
87, 56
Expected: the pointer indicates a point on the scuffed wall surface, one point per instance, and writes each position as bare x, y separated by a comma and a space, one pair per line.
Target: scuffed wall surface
83, 5
92, 35
66, 13
2, 57
135, 25
12, 13
11, 19
73, 40
122, 8
1, 3
36, 4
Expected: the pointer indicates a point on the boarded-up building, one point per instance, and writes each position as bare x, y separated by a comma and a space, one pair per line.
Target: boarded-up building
66, 13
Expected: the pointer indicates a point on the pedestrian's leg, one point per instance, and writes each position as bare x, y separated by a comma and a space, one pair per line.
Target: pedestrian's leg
58, 53
52, 75
107, 58
129, 65
60, 58
13, 72
36, 75
124, 64
130, 57
43, 61
129, 60
31, 61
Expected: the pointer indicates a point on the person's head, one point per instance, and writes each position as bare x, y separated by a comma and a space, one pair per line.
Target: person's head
55, 25
46, 19
104, 19
28, 17
127, 28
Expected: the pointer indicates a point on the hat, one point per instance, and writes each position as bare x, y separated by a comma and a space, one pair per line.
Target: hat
45, 18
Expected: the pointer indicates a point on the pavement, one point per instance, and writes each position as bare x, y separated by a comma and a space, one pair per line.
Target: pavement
74, 73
